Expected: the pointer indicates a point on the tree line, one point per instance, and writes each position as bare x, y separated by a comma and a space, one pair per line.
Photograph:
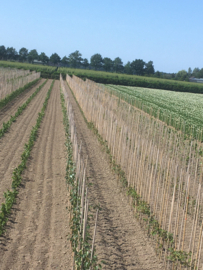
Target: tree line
97, 62
75, 60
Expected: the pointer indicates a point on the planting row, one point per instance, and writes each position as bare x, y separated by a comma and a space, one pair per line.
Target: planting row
183, 111
81, 242
161, 172
10, 195
11, 80
13, 118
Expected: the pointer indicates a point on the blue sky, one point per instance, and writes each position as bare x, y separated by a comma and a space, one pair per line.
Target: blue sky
170, 33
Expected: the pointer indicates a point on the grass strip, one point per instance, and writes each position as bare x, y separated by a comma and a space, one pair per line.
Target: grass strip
17, 92
165, 239
10, 195
83, 254
12, 119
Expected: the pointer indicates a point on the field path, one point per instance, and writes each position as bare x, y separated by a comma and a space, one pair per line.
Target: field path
12, 106
37, 235
12, 143
120, 240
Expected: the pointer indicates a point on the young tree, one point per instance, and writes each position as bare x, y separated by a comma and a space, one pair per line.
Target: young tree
23, 53
44, 58
32, 55
96, 61
108, 64
2, 52
138, 67
118, 64
55, 59
75, 59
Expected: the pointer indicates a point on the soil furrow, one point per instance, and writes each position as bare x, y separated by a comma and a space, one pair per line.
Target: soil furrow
120, 240
37, 238
12, 106
12, 144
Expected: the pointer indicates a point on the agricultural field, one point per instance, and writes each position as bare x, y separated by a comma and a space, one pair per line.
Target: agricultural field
53, 72
183, 111
89, 182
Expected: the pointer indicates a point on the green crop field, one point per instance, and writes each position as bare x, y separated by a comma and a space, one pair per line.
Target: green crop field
184, 111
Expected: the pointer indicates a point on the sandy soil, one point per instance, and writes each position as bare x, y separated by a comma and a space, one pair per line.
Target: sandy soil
12, 143
12, 106
38, 229
120, 240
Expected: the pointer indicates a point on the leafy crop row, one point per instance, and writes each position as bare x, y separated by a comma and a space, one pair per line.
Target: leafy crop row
12, 119
14, 94
10, 195
84, 258
183, 111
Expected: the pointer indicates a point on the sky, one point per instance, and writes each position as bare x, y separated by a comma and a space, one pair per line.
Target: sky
167, 32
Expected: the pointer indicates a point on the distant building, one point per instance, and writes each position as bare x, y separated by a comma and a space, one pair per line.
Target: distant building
37, 62
196, 80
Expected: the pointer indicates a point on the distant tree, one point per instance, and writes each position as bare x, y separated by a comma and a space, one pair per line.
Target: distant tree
195, 72
118, 65
85, 63
182, 75
189, 71
157, 74
55, 59
200, 73
65, 61
11, 53
2, 52
128, 68
138, 67
44, 58
23, 53
96, 61
107, 64
149, 68
32, 55
75, 59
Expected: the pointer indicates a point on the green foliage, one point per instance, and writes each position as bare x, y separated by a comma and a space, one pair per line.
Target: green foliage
96, 61
55, 59
182, 111
12, 119
49, 72
10, 195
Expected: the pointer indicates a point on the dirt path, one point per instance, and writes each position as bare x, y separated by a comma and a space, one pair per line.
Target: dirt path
120, 240
37, 237
12, 106
12, 144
